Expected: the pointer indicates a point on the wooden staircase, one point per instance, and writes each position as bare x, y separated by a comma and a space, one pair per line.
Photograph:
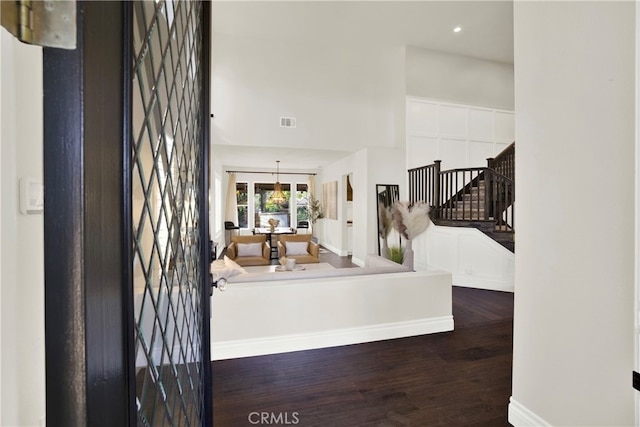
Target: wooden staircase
481, 198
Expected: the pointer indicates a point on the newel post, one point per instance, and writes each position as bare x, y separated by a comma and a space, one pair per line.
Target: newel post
490, 162
436, 187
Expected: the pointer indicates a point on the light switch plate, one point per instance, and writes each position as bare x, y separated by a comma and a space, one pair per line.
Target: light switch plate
31, 196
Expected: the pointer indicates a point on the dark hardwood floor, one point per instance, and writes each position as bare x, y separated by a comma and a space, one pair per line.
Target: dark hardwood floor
458, 378
335, 260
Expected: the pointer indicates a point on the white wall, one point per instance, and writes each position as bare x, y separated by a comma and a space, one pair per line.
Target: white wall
217, 195
342, 98
385, 167
460, 79
370, 166
636, 343
474, 259
573, 326
331, 232
460, 135
1, 224
22, 382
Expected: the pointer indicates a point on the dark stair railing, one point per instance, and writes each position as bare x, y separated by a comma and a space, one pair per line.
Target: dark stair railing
505, 162
424, 184
481, 197
462, 195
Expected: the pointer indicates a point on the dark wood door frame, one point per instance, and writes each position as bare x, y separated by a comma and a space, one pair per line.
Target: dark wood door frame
90, 367
204, 211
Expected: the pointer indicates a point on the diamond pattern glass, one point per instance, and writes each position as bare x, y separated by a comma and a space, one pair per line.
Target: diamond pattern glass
166, 200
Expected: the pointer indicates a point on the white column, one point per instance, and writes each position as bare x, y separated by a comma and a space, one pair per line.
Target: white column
574, 270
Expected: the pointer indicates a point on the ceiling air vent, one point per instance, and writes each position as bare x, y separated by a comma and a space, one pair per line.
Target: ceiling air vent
287, 122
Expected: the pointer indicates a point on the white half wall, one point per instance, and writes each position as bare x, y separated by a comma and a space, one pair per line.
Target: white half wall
574, 274
256, 318
22, 382
474, 259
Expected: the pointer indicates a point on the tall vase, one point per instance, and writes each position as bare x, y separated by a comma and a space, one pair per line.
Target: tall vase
408, 254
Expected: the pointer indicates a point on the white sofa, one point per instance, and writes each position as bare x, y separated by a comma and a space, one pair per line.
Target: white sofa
266, 313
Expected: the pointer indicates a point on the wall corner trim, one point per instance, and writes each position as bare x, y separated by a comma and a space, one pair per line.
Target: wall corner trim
521, 416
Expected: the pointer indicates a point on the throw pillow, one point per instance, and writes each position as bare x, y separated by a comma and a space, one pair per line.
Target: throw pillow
229, 263
296, 248
219, 270
250, 249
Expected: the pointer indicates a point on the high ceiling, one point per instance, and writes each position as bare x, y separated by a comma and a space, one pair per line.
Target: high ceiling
487, 26
487, 33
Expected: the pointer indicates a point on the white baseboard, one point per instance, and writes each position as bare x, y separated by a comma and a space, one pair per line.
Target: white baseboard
520, 416
297, 342
334, 249
357, 261
469, 281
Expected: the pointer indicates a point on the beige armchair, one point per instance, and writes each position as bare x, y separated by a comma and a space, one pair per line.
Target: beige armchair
303, 254
249, 250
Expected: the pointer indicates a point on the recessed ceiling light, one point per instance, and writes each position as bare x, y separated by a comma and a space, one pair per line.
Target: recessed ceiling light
457, 29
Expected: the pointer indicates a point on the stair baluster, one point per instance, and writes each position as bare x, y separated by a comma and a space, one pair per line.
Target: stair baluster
477, 197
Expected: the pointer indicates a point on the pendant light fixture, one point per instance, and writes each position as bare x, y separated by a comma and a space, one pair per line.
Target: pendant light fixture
277, 197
